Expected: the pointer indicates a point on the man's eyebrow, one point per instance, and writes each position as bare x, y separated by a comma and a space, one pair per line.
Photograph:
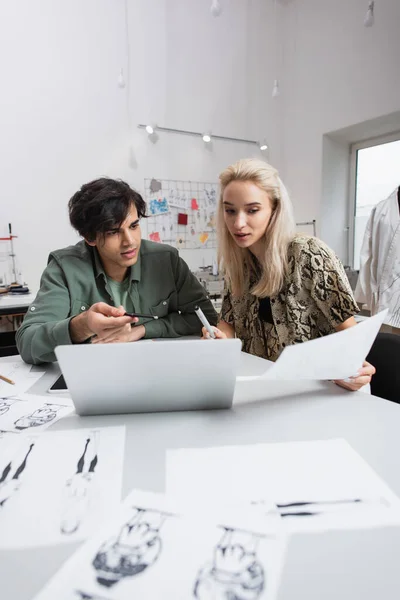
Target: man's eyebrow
118, 228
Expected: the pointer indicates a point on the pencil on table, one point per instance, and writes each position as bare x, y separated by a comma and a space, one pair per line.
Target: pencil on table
7, 380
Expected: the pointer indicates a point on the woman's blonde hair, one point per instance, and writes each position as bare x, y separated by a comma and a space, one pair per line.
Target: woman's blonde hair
235, 262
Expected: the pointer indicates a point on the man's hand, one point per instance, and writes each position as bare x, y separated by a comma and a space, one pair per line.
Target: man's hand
101, 320
123, 335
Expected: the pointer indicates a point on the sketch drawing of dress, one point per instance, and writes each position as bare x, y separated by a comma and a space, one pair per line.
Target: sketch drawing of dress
234, 572
10, 479
79, 595
5, 404
77, 488
40, 416
137, 547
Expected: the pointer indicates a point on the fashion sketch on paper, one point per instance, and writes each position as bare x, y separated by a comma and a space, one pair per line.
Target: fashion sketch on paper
234, 572
137, 547
40, 416
12, 473
79, 595
78, 487
5, 404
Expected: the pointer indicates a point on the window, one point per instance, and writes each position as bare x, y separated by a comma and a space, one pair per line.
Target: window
375, 175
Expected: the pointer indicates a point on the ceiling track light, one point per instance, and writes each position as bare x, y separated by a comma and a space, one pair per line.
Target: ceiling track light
207, 137
275, 89
369, 19
263, 146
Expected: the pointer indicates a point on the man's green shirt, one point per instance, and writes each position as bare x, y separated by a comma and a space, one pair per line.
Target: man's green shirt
160, 283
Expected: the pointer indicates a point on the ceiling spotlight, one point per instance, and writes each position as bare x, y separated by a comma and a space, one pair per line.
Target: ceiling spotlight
150, 129
275, 89
263, 145
369, 17
216, 8
206, 138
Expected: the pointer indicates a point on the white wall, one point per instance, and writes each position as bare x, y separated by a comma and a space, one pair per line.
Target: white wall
334, 211
65, 121
336, 73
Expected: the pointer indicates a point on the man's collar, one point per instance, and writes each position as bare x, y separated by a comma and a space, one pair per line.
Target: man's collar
135, 269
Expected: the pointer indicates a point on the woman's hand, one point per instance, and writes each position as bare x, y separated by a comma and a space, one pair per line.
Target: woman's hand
363, 377
222, 332
219, 335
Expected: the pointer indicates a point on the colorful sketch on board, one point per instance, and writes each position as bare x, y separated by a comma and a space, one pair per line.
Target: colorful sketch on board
158, 206
155, 186
155, 236
203, 237
190, 212
211, 221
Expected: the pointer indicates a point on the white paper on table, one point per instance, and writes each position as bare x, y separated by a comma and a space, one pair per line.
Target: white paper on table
21, 374
31, 413
267, 475
150, 550
68, 483
335, 356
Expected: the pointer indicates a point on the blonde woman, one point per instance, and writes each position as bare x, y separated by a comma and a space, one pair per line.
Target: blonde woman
281, 288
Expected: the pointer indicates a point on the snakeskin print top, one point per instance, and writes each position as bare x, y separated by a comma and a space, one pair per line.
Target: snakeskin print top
316, 297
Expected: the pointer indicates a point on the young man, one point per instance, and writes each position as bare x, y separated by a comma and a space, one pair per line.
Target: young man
87, 288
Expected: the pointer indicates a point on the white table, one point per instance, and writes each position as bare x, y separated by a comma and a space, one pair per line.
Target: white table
349, 565
13, 302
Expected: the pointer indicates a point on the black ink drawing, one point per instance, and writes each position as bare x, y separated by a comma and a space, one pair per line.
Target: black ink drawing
40, 416
5, 404
79, 595
137, 547
10, 479
77, 489
235, 572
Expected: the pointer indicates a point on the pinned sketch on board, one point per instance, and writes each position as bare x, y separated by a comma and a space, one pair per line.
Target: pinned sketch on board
178, 198
29, 412
305, 486
188, 219
155, 186
59, 487
153, 550
158, 206
22, 376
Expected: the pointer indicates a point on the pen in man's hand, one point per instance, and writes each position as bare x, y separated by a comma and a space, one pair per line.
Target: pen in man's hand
140, 316
203, 319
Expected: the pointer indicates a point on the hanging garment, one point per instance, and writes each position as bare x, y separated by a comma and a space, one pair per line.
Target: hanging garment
378, 284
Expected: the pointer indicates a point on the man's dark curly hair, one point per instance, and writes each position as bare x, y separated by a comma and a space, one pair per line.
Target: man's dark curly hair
101, 205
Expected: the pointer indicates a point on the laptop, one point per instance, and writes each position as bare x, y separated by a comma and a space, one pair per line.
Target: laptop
151, 375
